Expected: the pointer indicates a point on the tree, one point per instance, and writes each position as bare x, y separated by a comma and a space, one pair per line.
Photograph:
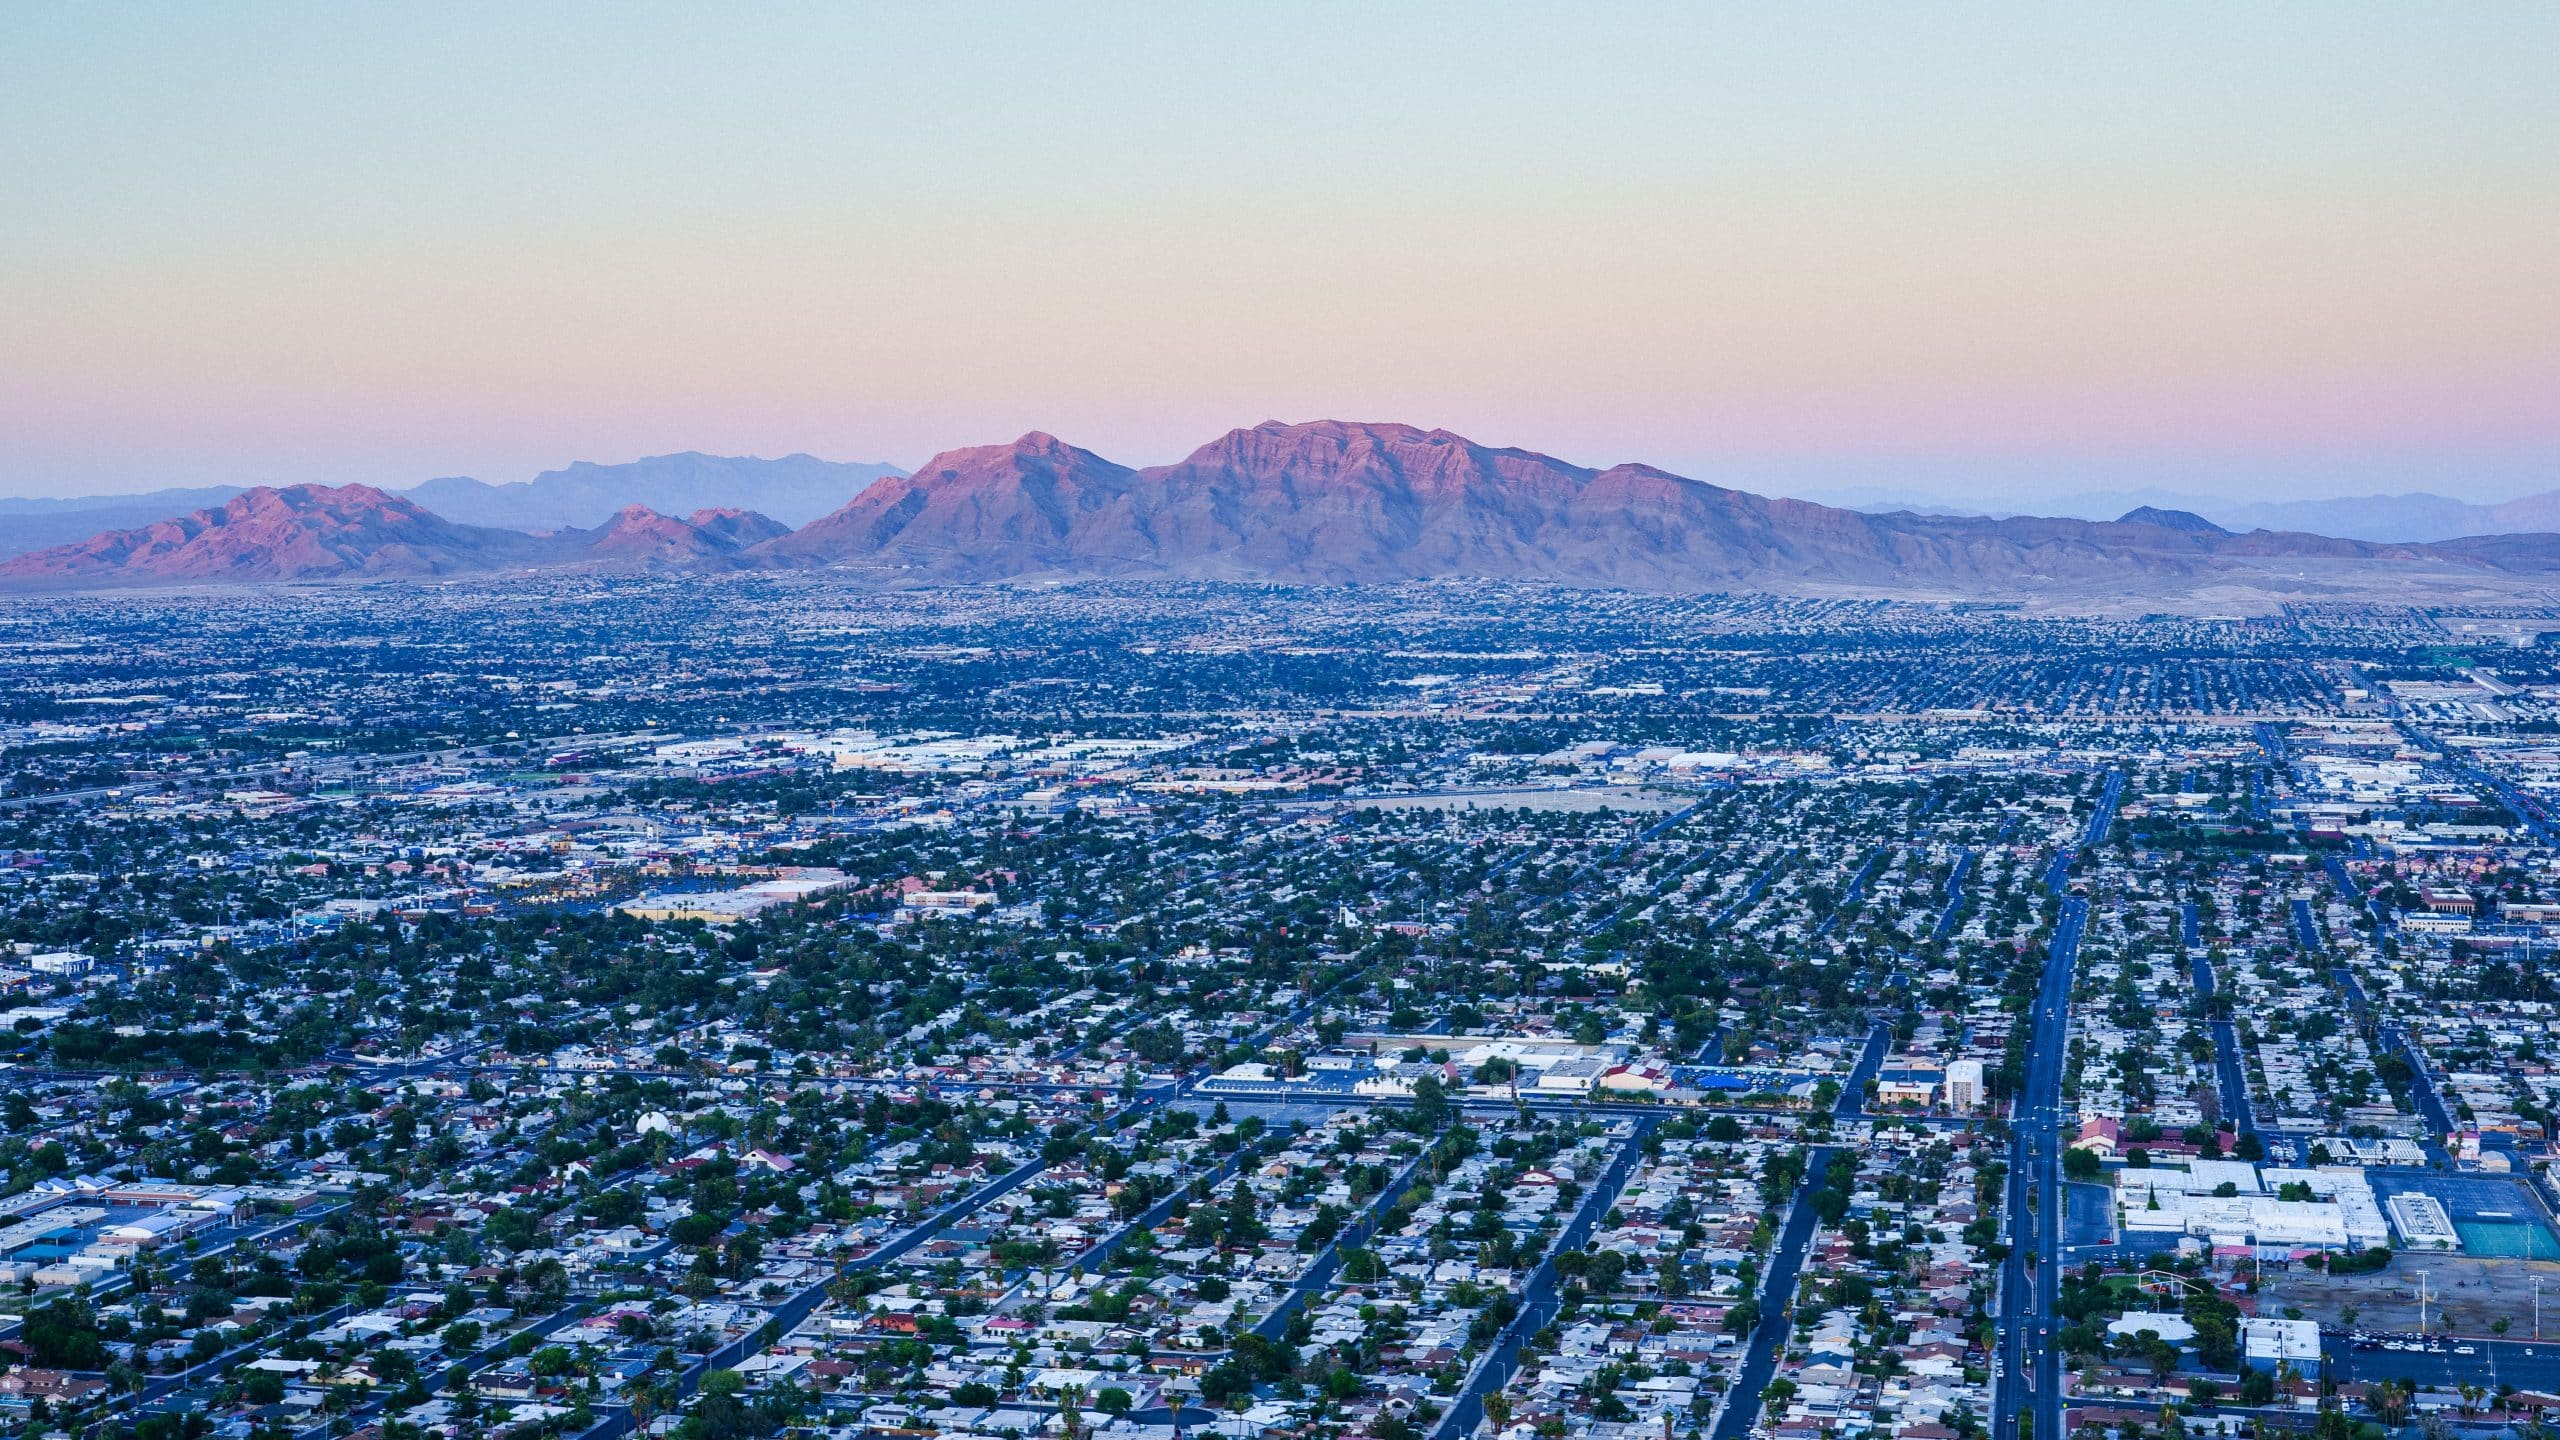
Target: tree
1672, 1277
509, 1227
1430, 1103
2217, 1340
722, 1413
63, 1335
1228, 1385
2080, 1163
696, 1229
1607, 1269
262, 1387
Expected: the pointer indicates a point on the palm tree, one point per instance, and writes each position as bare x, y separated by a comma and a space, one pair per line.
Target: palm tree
1070, 1414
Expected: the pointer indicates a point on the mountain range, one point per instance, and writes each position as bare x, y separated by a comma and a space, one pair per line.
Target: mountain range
322, 532
2416, 517
1326, 502
794, 489
33, 524
2419, 516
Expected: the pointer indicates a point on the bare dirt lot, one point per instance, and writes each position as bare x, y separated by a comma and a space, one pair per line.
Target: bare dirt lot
2464, 1296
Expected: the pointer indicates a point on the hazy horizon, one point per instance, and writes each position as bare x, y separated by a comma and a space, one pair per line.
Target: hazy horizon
1930, 485
2281, 253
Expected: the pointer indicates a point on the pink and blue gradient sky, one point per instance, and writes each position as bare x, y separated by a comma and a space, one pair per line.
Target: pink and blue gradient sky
1965, 250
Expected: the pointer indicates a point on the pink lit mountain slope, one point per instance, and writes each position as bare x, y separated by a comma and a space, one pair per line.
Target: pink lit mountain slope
1325, 502
301, 532
320, 532
1330, 502
640, 538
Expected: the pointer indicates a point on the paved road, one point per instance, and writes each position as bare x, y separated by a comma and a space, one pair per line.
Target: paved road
2270, 741
2527, 813
615, 1421
1711, 1051
1777, 1306
1318, 1276
791, 1311
2524, 1364
1955, 894
2306, 931
1852, 1104
122, 1280
450, 1372
1857, 891
2057, 876
2030, 1367
313, 771
2103, 819
2230, 1081
161, 1387
1741, 1408
1601, 863
795, 1308
1159, 1212
1538, 1299
2422, 1088
1751, 891
2346, 883
1679, 872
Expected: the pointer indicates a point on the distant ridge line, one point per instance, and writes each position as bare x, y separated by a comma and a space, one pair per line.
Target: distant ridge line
1315, 503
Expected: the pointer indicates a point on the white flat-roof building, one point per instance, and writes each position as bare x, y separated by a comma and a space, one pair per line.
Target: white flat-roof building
2272, 1342
2388, 1151
2423, 1223
2170, 1327
1575, 1076
2339, 1216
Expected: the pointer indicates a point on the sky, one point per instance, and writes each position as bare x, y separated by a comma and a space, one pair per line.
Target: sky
1970, 252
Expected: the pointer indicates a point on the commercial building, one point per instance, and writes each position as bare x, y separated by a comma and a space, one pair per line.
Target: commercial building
1964, 1085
